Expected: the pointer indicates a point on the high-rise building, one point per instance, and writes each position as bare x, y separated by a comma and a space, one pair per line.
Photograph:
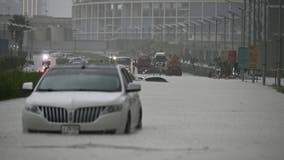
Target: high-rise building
34, 7
167, 20
10, 7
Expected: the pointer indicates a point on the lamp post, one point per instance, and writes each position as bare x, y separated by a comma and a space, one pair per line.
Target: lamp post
225, 32
280, 46
74, 30
201, 22
216, 33
210, 21
233, 27
243, 30
265, 44
249, 23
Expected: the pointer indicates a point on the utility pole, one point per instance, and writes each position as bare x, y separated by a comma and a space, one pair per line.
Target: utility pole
245, 22
209, 33
233, 28
216, 35
265, 44
74, 31
202, 42
225, 32
194, 31
280, 45
187, 32
194, 34
258, 20
254, 22
243, 34
254, 35
249, 23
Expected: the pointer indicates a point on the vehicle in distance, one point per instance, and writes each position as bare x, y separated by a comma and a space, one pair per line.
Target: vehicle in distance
77, 99
77, 60
124, 61
144, 63
46, 59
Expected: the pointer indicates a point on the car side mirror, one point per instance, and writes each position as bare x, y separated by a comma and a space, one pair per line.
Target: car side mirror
133, 87
27, 86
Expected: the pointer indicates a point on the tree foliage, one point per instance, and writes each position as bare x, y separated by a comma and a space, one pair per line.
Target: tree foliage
16, 29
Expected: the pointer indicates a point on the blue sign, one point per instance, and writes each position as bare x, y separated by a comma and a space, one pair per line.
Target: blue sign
243, 57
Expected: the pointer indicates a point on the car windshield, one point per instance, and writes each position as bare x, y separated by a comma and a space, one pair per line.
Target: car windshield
161, 58
80, 80
123, 61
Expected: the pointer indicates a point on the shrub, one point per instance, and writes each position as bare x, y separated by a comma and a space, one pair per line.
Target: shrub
11, 83
11, 62
61, 61
196, 70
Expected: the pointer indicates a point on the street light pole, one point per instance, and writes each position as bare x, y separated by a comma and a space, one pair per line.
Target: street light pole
280, 46
245, 21
74, 30
225, 32
243, 30
265, 44
254, 22
249, 23
233, 24
209, 33
216, 36
194, 34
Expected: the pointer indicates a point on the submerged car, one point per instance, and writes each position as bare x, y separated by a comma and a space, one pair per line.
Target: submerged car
77, 99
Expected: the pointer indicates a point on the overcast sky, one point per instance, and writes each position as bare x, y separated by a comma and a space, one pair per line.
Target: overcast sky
60, 8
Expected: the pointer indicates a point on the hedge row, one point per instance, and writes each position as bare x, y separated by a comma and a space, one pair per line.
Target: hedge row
11, 62
11, 83
281, 89
196, 70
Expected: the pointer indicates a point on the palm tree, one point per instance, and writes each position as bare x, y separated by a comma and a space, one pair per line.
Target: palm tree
18, 24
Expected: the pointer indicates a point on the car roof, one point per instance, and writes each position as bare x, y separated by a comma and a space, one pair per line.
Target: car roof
123, 57
86, 66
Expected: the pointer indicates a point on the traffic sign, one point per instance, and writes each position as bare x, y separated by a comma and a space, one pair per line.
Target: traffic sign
243, 57
252, 53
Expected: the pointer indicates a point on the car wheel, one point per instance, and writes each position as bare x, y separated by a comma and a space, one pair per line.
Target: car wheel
127, 129
139, 125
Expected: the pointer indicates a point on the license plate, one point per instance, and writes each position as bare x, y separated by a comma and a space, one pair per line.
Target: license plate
70, 129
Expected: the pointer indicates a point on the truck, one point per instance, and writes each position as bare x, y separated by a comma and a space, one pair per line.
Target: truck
173, 66
143, 63
159, 63
160, 59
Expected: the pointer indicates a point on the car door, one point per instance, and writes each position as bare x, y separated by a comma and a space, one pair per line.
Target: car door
133, 98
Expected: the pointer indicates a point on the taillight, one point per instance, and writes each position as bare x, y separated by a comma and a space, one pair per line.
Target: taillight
43, 70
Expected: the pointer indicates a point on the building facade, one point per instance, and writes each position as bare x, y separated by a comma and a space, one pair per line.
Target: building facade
166, 20
11, 7
34, 7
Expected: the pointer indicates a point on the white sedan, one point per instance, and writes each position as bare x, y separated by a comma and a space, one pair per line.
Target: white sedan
79, 99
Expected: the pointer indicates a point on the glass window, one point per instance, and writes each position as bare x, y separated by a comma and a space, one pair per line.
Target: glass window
81, 80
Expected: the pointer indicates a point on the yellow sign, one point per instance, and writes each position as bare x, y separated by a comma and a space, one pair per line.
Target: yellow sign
252, 56
225, 55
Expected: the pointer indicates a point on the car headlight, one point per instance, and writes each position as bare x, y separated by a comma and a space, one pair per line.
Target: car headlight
111, 109
33, 109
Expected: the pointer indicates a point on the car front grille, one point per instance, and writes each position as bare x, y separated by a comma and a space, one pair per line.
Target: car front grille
81, 115
87, 114
54, 114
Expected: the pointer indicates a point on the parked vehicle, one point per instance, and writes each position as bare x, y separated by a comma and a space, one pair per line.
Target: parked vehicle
75, 99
